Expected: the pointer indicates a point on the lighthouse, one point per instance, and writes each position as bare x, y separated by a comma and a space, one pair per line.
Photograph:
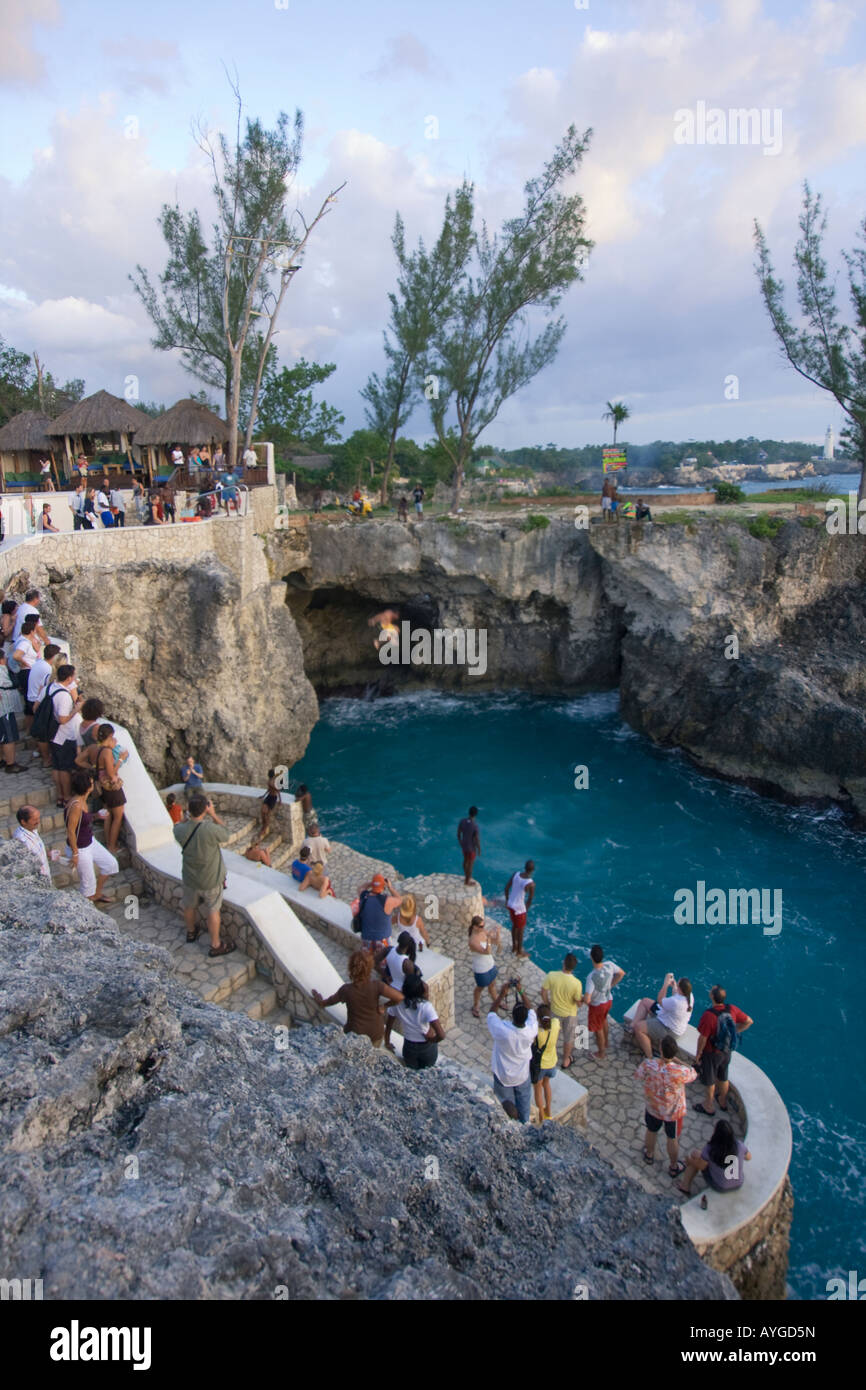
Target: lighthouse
828, 443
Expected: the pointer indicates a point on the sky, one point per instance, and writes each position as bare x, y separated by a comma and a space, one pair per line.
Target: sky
402, 100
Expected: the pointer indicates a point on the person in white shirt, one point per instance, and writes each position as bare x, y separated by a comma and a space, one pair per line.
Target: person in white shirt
318, 846
249, 458
664, 1017
177, 457
46, 479
64, 745
422, 1031
115, 501
519, 892
32, 600
512, 1053
27, 831
40, 677
598, 994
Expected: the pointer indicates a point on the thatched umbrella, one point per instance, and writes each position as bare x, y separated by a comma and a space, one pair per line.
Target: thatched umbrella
188, 422
99, 415
25, 434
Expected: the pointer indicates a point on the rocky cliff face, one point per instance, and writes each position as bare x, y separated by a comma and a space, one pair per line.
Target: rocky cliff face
537, 596
157, 1147
192, 648
651, 609
749, 654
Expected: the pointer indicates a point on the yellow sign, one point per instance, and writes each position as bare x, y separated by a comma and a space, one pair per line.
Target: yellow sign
612, 457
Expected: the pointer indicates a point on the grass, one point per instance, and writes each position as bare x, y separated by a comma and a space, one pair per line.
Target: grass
793, 494
535, 522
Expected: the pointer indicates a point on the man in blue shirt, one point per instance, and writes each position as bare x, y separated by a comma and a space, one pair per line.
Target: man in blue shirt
192, 776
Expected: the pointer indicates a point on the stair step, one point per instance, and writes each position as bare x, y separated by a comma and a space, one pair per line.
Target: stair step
282, 856
256, 998
234, 970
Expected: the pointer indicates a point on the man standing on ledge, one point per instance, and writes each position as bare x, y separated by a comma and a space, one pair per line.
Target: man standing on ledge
512, 1052
469, 841
192, 775
204, 870
519, 892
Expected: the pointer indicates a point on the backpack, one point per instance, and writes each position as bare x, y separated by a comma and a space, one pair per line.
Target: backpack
357, 923
45, 724
726, 1038
535, 1056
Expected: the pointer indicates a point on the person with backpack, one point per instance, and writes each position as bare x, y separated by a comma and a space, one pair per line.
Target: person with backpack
63, 724
372, 920
512, 1052
718, 1036
10, 708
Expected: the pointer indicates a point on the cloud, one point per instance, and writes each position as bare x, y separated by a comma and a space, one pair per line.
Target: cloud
406, 53
144, 64
19, 60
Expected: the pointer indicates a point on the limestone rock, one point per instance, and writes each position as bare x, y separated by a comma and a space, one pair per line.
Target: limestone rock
154, 1146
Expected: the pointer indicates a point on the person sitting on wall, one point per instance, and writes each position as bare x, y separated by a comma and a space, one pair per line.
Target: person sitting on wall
259, 855
721, 1161
642, 511
45, 523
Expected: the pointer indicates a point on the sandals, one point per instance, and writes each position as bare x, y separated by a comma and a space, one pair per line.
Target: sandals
224, 950
701, 1111
677, 1168
194, 935
648, 1158
475, 1013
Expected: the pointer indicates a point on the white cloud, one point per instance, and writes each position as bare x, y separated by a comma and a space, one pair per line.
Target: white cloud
20, 61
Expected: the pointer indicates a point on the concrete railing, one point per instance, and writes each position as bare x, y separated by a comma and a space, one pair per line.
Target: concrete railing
734, 1222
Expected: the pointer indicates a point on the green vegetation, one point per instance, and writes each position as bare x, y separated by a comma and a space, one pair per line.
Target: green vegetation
729, 492
535, 522
765, 527
793, 494
25, 385
617, 412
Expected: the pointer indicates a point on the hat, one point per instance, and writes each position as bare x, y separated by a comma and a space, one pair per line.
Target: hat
377, 883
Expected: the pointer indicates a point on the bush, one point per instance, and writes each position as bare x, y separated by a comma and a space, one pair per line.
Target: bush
535, 522
765, 527
729, 492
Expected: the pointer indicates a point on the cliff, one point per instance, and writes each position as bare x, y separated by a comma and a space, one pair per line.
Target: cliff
154, 1146
182, 634
649, 609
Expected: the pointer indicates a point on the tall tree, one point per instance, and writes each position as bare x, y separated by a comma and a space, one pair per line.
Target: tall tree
825, 349
288, 411
425, 285
25, 384
211, 298
618, 412
481, 350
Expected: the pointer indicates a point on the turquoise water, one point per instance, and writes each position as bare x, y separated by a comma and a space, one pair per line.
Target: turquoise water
392, 777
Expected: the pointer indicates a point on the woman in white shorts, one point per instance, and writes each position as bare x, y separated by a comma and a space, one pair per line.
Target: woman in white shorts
91, 859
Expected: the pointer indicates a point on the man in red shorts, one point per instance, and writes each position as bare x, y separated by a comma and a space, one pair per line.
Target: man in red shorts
600, 982
519, 892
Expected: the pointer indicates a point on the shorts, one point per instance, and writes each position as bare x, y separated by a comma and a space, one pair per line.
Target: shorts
597, 1015
211, 899
605, 504
63, 755
714, 1067
8, 728
92, 859
656, 1029
567, 1029
518, 919
418, 1055
112, 799
673, 1128
482, 981
367, 945
546, 1073
270, 800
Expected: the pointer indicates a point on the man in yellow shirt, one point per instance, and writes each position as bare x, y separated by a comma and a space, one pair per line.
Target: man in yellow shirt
563, 992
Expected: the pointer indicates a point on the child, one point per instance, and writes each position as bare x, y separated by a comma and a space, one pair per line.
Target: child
175, 811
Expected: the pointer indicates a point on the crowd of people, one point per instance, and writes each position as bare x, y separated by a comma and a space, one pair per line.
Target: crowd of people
386, 986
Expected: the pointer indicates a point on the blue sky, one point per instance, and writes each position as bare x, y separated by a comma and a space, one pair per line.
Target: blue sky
669, 305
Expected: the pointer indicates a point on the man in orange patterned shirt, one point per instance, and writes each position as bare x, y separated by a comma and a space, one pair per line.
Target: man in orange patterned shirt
665, 1080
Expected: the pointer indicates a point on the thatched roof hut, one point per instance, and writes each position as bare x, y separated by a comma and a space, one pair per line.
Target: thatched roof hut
29, 430
188, 422
23, 440
99, 415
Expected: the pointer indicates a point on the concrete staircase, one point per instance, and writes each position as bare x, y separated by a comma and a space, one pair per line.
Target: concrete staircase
232, 981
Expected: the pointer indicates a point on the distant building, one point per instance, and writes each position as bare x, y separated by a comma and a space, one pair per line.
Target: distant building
829, 445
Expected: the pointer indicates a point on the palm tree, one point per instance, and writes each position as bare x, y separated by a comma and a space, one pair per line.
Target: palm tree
618, 412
